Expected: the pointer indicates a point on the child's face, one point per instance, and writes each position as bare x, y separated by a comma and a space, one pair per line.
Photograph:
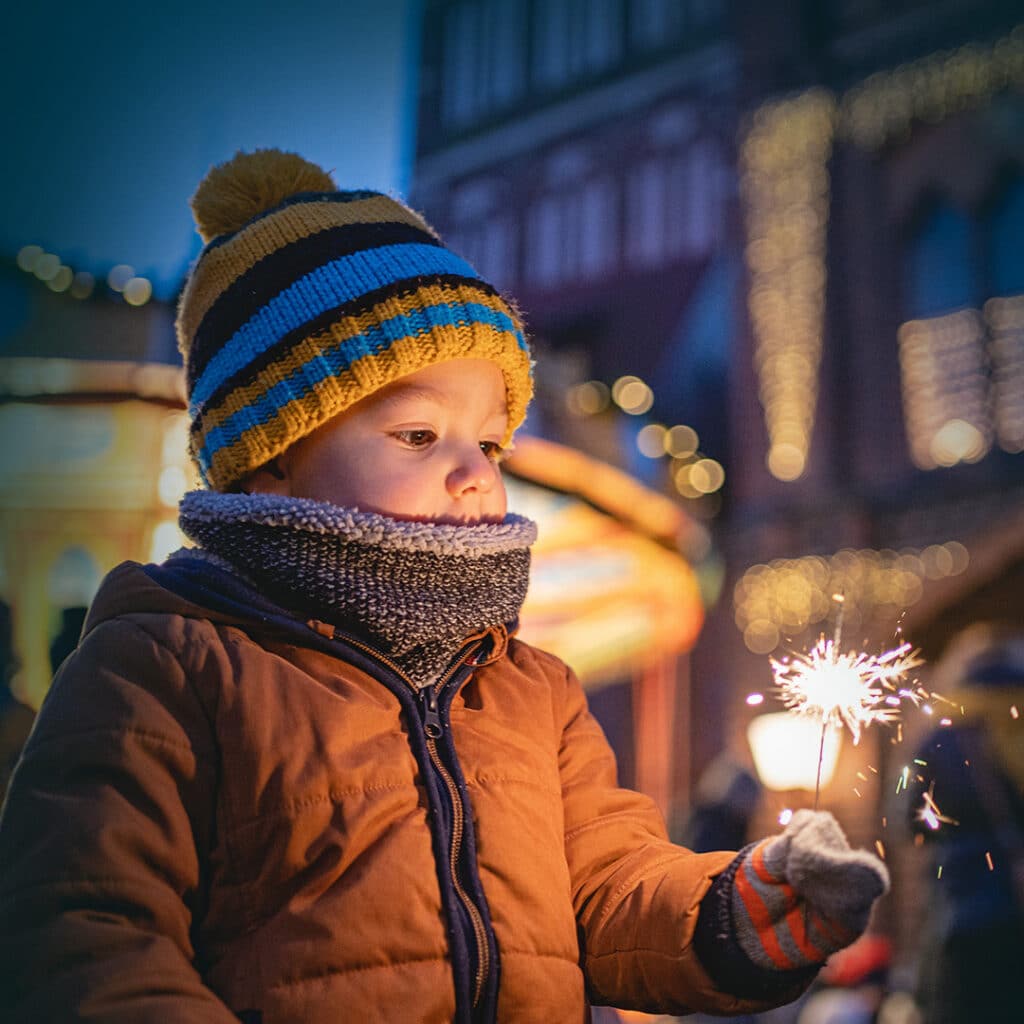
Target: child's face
425, 447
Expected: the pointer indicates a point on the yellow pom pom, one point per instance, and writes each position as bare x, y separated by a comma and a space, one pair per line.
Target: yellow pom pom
234, 192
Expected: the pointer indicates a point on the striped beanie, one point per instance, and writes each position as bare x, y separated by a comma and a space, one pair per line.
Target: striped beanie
305, 300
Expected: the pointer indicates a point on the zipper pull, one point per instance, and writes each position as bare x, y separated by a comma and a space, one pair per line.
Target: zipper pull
431, 717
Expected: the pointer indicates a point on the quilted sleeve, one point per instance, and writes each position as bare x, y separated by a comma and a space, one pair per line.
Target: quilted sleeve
637, 896
100, 869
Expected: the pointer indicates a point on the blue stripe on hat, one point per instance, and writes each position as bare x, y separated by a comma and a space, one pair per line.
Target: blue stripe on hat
328, 286
338, 358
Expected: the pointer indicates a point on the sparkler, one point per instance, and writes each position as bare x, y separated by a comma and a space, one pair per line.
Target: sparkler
852, 689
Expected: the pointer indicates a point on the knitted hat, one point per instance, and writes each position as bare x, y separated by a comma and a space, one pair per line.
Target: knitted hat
305, 300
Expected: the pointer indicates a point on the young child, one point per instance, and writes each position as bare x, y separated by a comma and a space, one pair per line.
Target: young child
304, 771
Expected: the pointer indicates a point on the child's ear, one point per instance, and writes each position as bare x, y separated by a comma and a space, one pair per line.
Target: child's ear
270, 478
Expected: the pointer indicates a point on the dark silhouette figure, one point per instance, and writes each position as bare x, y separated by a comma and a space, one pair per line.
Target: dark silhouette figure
970, 809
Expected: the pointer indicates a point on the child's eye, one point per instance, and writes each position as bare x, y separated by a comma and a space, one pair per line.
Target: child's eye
493, 450
416, 438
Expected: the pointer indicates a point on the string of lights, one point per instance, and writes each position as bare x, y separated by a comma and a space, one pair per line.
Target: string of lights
781, 599
60, 278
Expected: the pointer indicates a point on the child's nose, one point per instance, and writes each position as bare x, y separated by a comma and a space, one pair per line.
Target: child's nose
473, 472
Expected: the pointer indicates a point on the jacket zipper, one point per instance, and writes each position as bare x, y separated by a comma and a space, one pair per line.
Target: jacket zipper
433, 721
433, 727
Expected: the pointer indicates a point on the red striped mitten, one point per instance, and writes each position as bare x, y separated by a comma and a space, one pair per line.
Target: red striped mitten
799, 897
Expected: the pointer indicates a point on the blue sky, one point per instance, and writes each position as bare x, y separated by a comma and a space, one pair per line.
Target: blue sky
112, 114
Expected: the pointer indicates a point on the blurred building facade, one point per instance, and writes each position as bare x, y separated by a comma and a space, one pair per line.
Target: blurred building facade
780, 239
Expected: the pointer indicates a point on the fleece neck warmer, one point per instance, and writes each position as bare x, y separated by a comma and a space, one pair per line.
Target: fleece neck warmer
415, 591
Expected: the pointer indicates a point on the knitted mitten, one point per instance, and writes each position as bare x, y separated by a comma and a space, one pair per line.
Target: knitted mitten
799, 897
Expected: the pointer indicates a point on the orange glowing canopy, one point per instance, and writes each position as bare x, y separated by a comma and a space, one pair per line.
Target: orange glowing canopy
611, 586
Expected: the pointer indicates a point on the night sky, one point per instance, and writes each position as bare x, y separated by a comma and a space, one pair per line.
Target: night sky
112, 114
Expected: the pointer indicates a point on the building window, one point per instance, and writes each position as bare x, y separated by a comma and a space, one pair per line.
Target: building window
490, 248
674, 205
544, 242
646, 203
1004, 319
507, 61
574, 39
1005, 229
482, 234
484, 59
571, 234
459, 90
940, 268
653, 23
572, 227
962, 349
1004, 316
598, 237
657, 24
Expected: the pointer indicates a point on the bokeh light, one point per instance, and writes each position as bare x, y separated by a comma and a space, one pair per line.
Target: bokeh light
785, 186
650, 440
632, 395
82, 285
706, 476
681, 441
137, 291
46, 266
61, 281
119, 276
588, 399
28, 257
787, 596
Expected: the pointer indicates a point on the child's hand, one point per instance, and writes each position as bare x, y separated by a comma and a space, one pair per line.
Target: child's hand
799, 897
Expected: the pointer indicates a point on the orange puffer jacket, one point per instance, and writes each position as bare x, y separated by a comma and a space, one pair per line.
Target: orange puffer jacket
221, 816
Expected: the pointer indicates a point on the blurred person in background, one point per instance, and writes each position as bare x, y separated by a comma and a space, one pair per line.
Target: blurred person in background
968, 804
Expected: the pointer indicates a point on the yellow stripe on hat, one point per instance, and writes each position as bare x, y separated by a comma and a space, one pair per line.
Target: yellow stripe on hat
223, 264
348, 327
367, 375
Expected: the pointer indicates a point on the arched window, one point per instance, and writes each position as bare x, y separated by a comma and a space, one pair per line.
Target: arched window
943, 359
940, 264
1004, 315
1006, 241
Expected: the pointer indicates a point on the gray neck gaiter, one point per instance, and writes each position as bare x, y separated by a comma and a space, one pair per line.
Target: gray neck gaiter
415, 591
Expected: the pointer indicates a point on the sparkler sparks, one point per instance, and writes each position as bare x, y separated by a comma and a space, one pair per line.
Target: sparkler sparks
852, 689
929, 811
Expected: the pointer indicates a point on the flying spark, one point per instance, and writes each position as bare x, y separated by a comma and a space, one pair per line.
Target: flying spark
929, 811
